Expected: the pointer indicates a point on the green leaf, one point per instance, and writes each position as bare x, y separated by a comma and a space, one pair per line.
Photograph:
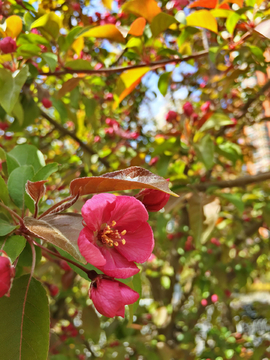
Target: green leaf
12, 163
25, 259
13, 246
266, 214
90, 107
60, 107
231, 22
32, 39
235, 200
10, 87
18, 112
213, 52
5, 227
216, 121
91, 324
3, 191
31, 110
137, 286
163, 82
25, 325
50, 59
79, 64
28, 155
50, 23
161, 22
229, 150
16, 183
257, 52
205, 151
45, 172
28, 50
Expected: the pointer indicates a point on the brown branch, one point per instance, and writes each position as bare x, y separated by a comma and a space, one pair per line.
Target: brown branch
120, 69
239, 182
84, 146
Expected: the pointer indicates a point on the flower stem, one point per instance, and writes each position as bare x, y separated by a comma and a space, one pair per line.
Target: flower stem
90, 273
12, 213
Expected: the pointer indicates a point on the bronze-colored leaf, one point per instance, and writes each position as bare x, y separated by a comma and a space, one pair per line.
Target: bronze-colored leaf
133, 177
61, 230
36, 189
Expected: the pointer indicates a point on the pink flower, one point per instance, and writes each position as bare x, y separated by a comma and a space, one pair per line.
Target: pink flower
204, 302
108, 96
154, 160
110, 296
153, 200
116, 234
98, 66
206, 106
8, 45
7, 273
171, 116
214, 298
188, 108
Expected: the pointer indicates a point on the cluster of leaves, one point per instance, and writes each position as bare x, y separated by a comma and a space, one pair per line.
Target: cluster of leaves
90, 86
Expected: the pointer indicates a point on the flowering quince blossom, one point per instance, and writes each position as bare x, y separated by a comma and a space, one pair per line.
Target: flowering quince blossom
110, 296
115, 234
7, 273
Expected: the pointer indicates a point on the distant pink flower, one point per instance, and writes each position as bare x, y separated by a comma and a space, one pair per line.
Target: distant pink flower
154, 160
204, 302
7, 273
206, 106
108, 96
214, 298
98, 66
46, 103
171, 116
110, 296
8, 45
188, 108
116, 234
153, 200
151, 258
112, 122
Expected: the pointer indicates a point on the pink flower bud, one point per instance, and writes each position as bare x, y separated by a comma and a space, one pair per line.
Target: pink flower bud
110, 296
7, 273
76, 7
109, 97
171, 116
153, 200
206, 106
8, 45
188, 108
214, 298
112, 122
97, 139
154, 160
204, 302
46, 103
4, 126
98, 66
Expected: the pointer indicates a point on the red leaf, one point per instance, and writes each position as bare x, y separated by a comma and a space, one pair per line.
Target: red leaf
134, 177
209, 4
35, 189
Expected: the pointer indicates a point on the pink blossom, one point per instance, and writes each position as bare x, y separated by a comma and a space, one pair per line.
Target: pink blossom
110, 296
111, 122
46, 103
7, 273
204, 302
98, 66
214, 298
206, 106
8, 45
188, 108
153, 200
108, 97
171, 116
3, 126
116, 234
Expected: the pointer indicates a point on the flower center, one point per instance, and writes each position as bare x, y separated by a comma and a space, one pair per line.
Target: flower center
111, 237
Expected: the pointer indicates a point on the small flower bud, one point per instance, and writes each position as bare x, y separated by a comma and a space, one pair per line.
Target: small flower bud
8, 45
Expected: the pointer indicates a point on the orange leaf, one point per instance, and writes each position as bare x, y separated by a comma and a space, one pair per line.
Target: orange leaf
237, 2
137, 27
108, 31
134, 177
36, 190
209, 4
127, 83
145, 8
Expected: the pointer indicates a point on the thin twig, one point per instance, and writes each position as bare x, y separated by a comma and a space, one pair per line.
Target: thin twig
106, 71
56, 205
239, 182
84, 146
12, 213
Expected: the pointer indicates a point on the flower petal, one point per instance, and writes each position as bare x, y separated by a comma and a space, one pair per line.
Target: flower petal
117, 265
106, 297
139, 244
88, 249
128, 213
129, 296
97, 210
121, 311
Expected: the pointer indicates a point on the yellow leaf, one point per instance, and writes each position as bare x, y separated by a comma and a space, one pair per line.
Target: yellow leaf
127, 83
108, 31
145, 8
78, 45
14, 26
137, 27
204, 19
107, 4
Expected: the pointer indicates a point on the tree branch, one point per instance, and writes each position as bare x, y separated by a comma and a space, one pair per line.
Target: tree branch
239, 182
120, 69
64, 131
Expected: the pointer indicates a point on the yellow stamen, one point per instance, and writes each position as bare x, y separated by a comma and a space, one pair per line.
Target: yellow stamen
115, 243
113, 223
123, 232
123, 241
